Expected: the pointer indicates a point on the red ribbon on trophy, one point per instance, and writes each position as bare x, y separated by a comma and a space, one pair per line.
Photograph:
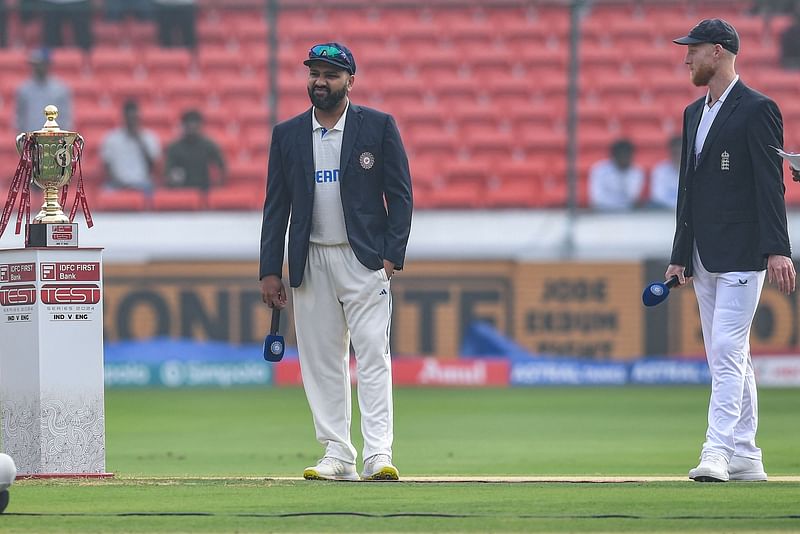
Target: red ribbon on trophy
20, 185
49, 158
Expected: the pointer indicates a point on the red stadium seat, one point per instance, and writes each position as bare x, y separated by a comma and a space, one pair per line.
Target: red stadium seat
178, 200
110, 61
121, 200
458, 196
236, 198
166, 62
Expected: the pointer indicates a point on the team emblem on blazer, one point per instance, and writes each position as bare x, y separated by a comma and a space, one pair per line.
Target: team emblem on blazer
725, 161
367, 160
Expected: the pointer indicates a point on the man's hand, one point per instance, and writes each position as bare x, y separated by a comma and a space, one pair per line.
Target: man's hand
677, 270
795, 174
389, 268
273, 293
780, 271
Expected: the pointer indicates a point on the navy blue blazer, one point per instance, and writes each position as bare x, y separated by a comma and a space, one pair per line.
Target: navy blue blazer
376, 201
731, 202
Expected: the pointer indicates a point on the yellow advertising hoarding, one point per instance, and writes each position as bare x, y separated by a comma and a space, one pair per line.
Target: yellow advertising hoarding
585, 309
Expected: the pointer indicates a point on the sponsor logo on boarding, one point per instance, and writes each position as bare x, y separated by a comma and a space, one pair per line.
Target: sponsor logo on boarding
79, 271
70, 293
17, 295
18, 272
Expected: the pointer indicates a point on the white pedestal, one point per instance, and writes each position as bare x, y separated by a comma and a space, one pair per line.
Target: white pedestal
51, 361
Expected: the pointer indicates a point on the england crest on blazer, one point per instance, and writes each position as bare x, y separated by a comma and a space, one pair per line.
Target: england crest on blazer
367, 160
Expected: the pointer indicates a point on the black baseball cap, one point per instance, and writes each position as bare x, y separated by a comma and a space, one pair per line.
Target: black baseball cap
715, 31
336, 54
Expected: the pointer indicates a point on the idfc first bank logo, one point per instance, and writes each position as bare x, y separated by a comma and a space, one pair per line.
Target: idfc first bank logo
18, 295
70, 293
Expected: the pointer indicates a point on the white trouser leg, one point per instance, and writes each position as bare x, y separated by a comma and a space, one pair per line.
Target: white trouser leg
324, 348
728, 304
367, 301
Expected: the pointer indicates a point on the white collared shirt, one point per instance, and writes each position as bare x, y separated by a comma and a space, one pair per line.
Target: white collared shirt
709, 114
327, 218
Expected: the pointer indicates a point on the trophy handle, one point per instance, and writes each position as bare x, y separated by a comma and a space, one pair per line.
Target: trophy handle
80, 142
21, 142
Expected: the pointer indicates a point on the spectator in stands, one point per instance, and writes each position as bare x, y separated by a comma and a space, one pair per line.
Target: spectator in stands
3, 24
176, 16
664, 177
56, 12
193, 159
119, 9
616, 183
40, 90
790, 42
130, 153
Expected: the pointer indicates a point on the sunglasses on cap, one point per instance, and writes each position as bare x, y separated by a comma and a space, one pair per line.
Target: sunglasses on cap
329, 52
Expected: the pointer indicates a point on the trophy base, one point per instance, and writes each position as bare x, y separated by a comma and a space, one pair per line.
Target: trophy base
52, 235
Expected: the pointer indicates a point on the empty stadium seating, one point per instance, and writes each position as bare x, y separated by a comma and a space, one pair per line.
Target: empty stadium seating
479, 90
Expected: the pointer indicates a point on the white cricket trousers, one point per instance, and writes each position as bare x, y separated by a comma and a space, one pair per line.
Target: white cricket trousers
339, 301
728, 303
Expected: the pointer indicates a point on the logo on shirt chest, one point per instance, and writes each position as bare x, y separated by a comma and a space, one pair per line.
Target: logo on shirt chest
324, 176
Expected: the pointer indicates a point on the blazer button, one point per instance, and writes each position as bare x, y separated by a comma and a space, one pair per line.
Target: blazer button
686, 224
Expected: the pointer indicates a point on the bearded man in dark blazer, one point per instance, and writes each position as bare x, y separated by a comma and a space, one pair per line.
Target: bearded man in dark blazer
730, 235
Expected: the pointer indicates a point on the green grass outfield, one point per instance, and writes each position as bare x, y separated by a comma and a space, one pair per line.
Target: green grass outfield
207, 461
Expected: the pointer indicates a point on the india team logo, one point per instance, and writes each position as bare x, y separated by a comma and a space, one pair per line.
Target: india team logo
367, 160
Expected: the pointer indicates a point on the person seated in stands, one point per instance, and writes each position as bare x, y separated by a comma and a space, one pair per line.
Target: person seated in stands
176, 22
56, 12
40, 90
616, 184
790, 42
194, 159
130, 153
664, 177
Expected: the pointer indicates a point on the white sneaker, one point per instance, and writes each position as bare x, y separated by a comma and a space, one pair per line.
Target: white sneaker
742, 468
330, 468
379, 467
713, 467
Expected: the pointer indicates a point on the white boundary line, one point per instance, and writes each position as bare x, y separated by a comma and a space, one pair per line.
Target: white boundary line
478, 479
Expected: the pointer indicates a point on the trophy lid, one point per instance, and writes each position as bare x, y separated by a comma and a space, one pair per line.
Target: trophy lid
50, 124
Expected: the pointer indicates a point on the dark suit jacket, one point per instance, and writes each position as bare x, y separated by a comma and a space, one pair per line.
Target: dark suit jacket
377, 202
737, 214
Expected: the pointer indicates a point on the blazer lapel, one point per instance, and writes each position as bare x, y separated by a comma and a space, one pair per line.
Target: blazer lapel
727, 109
351, 127
306, 148
694, 122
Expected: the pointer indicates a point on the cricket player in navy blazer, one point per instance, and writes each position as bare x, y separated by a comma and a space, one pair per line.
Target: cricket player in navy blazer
339, 178
730, 233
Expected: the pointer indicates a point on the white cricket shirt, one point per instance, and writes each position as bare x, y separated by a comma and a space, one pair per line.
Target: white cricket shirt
709, 114
327, 218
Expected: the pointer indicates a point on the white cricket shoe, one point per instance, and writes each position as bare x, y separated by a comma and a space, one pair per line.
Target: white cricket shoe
713, 467
330, 468
379, 467
742, 468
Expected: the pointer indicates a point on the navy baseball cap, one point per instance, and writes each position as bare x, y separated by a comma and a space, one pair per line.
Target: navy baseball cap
715, 31
336, 54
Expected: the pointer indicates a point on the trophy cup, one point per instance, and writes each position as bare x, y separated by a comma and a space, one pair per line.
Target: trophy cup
50, 156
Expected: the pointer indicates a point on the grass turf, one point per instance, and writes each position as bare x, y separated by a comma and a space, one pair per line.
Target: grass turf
252, 432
